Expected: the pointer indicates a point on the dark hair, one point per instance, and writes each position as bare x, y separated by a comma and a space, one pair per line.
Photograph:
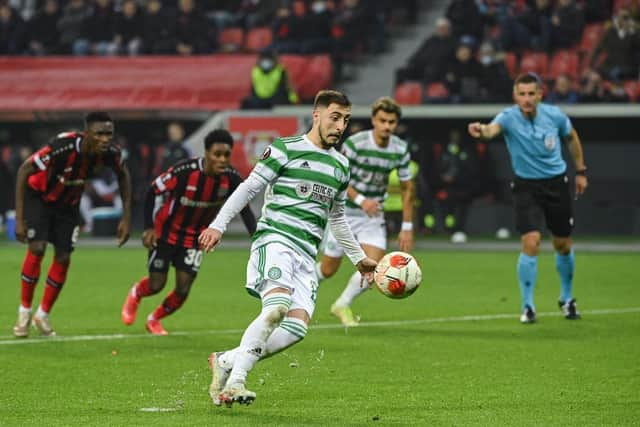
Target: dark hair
97, 116
326, 97
218, 136
386, 104
527, 78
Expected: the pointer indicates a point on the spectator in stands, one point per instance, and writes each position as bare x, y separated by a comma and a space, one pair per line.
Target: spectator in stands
283, 27
269, 84
254, 13
567, 21
463, 75
194, 35
316, 36
495, 82
13, 30
529, 29
100, 192
563, 91
592, 88
174, 149
428, 62
620, 44
614, 92
6, 191
72, 27
158, 29
44, 37
350, 29
465, 18
99, 31
128, 23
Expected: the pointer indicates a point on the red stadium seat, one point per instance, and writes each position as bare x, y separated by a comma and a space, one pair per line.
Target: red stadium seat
591, 35
258, 39
627, 4
231, 39
536, 62
564, 62
436, 91
409, 93
511, 61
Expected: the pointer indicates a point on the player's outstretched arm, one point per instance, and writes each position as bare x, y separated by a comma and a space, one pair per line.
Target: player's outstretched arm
124, 226
479, 130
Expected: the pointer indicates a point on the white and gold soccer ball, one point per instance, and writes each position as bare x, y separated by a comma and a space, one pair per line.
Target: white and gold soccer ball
398, 275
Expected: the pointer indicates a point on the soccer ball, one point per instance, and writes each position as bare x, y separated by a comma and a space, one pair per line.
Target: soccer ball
398, 275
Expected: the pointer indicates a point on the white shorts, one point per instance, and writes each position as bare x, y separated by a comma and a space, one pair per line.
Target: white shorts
367, 230
275, 265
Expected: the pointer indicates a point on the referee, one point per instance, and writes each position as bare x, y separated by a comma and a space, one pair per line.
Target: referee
533, 132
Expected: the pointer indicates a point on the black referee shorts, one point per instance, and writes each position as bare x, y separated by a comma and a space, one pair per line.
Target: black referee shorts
540, 201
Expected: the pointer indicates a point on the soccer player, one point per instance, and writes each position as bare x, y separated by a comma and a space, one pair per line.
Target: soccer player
179, 204
306, 180
372, 155
533, 132
49, 185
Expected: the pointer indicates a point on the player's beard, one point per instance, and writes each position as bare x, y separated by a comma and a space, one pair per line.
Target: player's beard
325, 144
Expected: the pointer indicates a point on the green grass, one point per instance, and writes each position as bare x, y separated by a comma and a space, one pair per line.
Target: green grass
434, 371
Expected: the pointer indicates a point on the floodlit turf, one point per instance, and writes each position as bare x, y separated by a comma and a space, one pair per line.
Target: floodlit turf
439, 369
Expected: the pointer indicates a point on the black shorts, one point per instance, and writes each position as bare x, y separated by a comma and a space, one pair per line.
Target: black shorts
537, 201
58, 225
183, 259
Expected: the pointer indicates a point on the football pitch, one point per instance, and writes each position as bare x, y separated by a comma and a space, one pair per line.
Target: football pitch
454, 353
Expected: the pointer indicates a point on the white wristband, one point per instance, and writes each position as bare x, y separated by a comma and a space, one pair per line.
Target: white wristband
406, 226
359, 199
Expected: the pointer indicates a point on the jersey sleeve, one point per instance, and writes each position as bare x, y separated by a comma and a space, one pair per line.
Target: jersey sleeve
42, 158
404, 168
55, 149
564, 123
165, 182
273, 159
503, 119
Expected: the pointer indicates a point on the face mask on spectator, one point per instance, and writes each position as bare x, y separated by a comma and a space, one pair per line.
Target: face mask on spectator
266, 64
319, 6
486, 59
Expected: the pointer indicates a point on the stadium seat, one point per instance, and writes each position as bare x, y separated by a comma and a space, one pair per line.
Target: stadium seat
591, 35
627, 4
564, 62
511, 61
536, 62
258, 39
409, 93
231, 39
437, 92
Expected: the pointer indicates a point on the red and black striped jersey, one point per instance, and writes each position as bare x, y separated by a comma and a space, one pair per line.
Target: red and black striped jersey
191, 201
62, 168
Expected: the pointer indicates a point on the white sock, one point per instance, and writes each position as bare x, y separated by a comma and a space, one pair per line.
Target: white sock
40, 313
22, 309
319, 274
351, 291
290, 331
253, 343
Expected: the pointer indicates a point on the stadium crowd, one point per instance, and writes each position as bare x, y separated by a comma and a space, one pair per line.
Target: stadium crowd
584, 50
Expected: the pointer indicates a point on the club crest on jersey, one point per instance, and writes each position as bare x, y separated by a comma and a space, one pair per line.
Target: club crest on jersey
550, 142
303, 189
274, 273
266, 153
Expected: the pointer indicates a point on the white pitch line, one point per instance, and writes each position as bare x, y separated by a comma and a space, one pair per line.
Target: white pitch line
471, 318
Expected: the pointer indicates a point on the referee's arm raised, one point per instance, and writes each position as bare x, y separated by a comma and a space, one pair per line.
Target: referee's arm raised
479, 130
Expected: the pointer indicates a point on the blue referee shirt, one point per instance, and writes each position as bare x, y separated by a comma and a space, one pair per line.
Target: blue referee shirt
535, 145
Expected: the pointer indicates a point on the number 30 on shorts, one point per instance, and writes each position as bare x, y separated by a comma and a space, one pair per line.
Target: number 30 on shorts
193, 257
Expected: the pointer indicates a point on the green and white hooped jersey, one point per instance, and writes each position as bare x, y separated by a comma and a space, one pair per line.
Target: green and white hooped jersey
370, 165
305, 182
